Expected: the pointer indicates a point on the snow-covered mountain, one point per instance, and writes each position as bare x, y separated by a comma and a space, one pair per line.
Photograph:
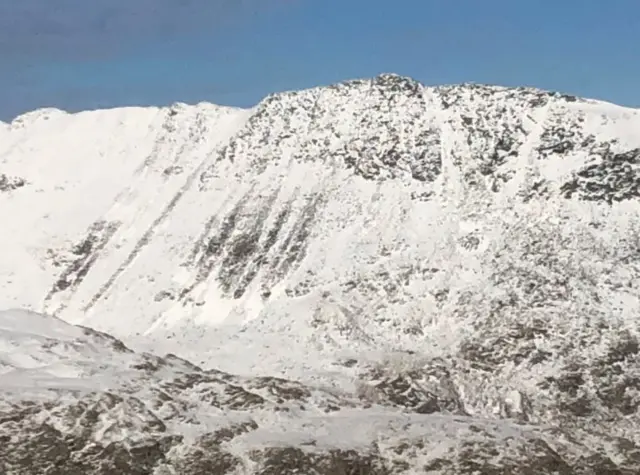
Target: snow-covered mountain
458, 266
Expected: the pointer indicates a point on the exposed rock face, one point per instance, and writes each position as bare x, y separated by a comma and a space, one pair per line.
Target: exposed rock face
411, 279
10, 183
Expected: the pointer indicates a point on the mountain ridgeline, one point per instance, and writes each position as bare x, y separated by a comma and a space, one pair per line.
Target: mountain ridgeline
462, 258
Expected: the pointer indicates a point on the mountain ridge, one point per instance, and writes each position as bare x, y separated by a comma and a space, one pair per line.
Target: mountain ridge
469, 251
56, 110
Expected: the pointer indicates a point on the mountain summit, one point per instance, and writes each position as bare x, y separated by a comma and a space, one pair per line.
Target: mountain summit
464, 258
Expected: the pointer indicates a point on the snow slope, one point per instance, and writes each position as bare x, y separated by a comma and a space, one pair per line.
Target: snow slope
480, 244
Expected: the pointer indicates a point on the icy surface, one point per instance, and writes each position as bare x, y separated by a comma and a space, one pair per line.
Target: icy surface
463, 259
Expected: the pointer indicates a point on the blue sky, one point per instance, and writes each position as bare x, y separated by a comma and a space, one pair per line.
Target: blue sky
79, 54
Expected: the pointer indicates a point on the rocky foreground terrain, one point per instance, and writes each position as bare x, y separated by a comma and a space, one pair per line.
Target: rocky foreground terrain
77, 401
375, 277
